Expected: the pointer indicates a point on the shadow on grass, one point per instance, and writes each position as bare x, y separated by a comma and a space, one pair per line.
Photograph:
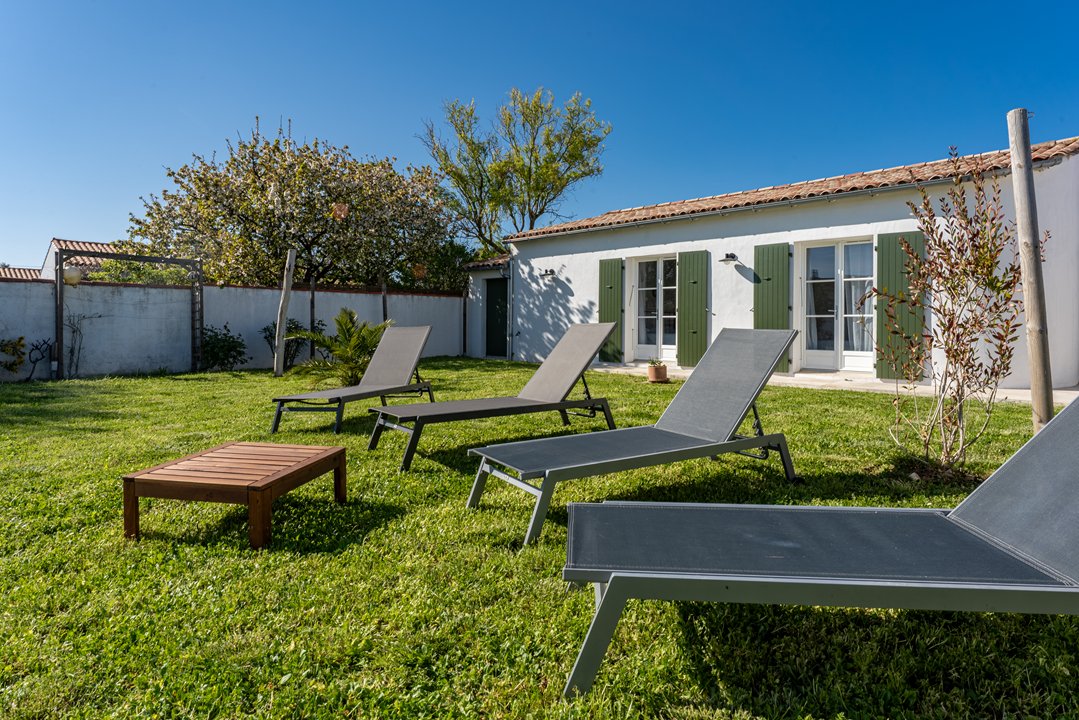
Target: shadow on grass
299, 525
780, 662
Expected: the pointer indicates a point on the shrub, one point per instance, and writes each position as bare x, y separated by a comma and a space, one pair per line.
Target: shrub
349, 350
16, 350
221, 350
293, 345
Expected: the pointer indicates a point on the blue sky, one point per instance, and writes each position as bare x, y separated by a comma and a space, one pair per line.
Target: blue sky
96, 99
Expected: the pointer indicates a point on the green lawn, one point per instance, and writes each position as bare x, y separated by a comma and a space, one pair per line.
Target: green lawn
402, 603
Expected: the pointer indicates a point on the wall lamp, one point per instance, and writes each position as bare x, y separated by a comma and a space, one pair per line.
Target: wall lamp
729, 259
547, 274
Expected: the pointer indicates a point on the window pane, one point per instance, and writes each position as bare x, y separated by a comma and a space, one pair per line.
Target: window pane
646, 331
820, 263
669, 335
647, 302
670, 302
820, 298
858, 334
820, 333
670, 273
858, 260
855, 301
646, 274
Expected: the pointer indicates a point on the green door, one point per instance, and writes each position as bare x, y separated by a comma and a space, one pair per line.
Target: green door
892, 277
692, 307
495, 300
610, 307
772, 290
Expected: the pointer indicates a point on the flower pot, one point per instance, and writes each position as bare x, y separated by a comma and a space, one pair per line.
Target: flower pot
657, 373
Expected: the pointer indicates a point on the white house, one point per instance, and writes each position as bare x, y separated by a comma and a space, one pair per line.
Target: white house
673, 275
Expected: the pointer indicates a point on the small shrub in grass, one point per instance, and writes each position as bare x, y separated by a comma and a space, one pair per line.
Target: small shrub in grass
221, 350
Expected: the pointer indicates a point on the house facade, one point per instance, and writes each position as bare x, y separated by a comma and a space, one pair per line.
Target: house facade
794, 256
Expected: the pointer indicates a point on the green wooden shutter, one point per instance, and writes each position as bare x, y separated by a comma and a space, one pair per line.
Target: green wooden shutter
892, 277
772, 290
610, 307
692, 308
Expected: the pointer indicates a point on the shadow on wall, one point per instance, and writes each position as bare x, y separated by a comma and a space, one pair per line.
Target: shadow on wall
544, 306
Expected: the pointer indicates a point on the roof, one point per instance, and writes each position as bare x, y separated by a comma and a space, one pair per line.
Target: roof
489, 263
902, 176
84, 246
19, 273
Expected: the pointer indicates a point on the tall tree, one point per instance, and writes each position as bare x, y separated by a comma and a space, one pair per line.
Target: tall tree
242, 214
506, 179
466, 167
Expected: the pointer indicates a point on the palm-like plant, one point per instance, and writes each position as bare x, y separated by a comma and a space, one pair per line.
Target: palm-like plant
349, 350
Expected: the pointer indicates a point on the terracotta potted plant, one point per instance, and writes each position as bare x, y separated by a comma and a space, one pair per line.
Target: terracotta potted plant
657, 371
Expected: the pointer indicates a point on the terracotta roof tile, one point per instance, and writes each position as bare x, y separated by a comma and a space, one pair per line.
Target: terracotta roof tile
18, 273
888, 177
86, 246
488, 263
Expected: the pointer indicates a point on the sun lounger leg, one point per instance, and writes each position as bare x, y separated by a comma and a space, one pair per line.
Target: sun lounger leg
376, 433
608, 611
340, 413
788, 464
539, 513
478, 486
430, 393
607, 414
410, 448
565, 417
277, 417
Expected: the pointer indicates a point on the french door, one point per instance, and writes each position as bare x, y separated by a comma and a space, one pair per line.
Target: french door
838, 310
656, 305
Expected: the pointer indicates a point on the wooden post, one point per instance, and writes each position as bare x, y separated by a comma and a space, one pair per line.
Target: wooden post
1026, 220
282, 315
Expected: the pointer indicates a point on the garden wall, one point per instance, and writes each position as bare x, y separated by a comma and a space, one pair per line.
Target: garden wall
139, 329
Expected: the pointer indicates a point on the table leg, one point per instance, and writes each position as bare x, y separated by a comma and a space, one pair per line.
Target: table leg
131, 510
339, 473
259, 510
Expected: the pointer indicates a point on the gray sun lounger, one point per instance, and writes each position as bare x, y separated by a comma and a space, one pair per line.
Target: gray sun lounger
1009, 547
701, 421
546, 391
389, 374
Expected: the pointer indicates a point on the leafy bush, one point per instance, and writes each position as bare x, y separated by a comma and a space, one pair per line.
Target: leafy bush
293, 345
349, 350
16, 350
221, 350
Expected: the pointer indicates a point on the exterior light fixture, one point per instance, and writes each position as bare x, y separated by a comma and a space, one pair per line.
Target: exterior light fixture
72, 275
729, 258
547, 274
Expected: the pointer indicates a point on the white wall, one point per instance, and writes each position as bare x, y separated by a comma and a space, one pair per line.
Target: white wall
543, 308
135, 329
27, 310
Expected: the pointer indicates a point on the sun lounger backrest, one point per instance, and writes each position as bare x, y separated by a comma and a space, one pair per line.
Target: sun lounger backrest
1031, 502
727, 380
396, 356
554, 379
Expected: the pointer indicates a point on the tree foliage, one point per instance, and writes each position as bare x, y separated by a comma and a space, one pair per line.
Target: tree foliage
351, 221
968, 280
506, 179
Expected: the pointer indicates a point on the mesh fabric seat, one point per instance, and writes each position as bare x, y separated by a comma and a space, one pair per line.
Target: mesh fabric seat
547, 390
701, 421
390, 372
1009, 547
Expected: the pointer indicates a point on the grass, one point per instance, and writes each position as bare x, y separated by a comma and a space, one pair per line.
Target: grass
402, 603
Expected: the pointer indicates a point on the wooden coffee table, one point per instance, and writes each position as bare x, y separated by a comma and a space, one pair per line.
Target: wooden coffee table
251, 474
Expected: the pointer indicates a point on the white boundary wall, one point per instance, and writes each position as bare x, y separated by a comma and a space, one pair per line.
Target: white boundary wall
132, 329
